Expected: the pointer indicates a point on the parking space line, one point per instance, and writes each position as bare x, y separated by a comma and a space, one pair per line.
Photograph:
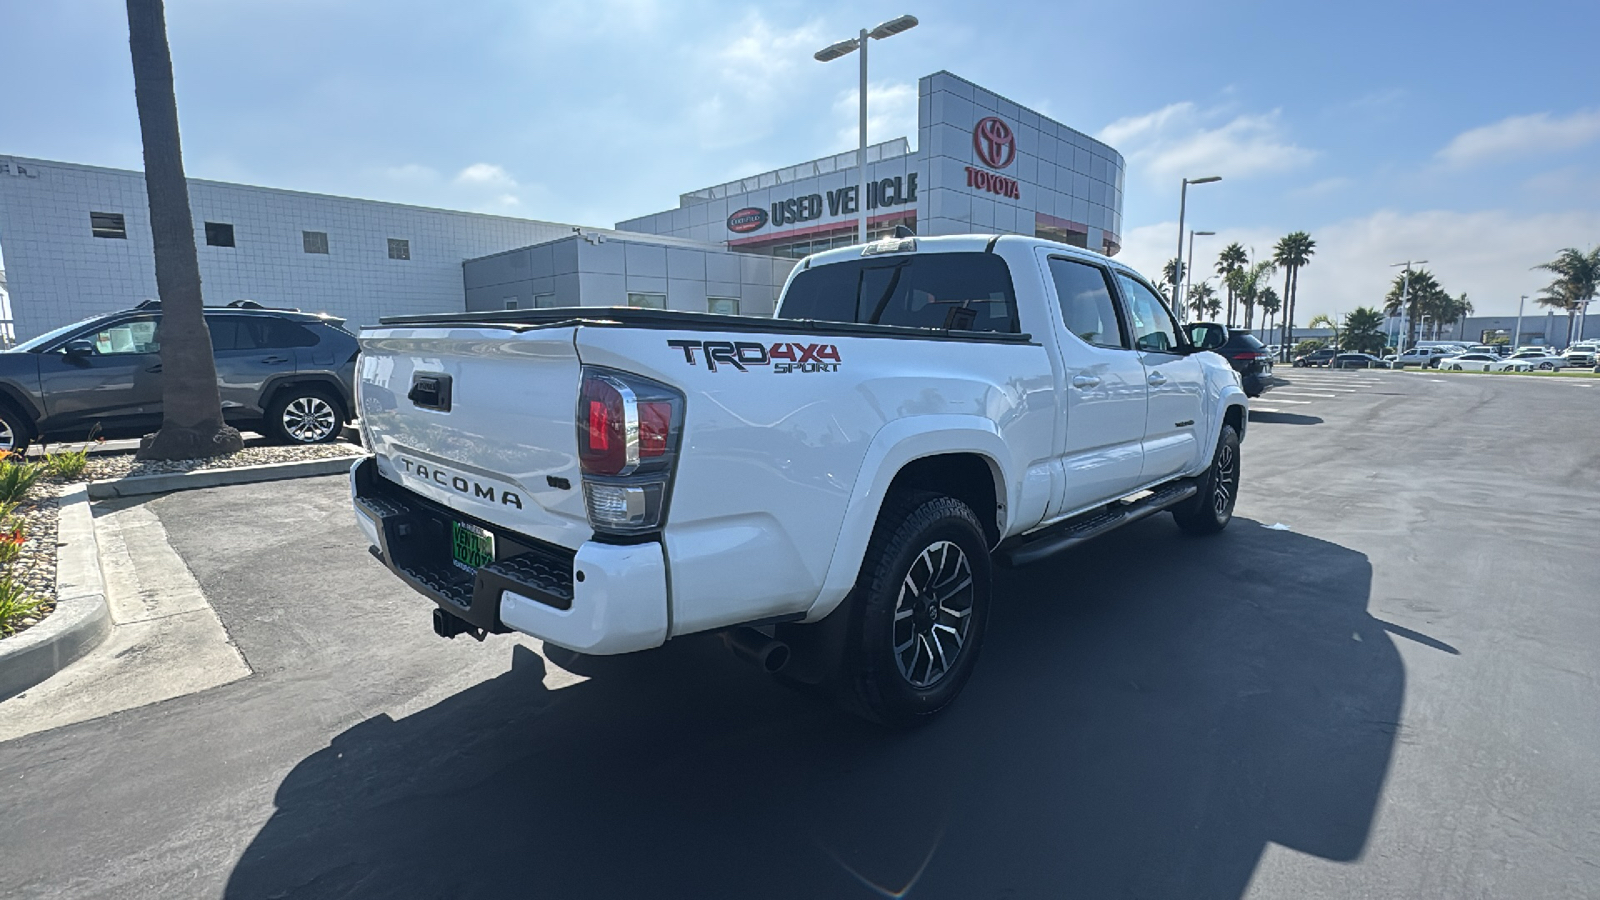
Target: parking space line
1277, 394
1295, 402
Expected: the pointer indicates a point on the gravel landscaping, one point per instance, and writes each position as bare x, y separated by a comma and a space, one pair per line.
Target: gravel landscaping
37, 513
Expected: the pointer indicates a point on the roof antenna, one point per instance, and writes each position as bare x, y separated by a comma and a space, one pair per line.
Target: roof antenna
904, 231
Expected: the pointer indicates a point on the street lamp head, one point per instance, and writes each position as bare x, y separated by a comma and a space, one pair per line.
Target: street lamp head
1202, 233
1206, 180
834, 51
893, 27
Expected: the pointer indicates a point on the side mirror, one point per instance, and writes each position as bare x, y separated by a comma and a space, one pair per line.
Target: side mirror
79, 347
1207, 335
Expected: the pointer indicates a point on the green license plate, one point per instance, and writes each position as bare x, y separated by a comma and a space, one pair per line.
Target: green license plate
471, 547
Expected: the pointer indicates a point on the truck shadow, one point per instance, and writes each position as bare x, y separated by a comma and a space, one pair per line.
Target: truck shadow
1149, 713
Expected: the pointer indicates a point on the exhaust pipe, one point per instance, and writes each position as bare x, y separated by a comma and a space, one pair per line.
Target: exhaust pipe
768, 654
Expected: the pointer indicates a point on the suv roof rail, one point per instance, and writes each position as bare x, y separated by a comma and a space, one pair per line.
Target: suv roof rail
251, 304
149, 304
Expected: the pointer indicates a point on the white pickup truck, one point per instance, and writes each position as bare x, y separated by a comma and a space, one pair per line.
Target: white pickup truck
827, 487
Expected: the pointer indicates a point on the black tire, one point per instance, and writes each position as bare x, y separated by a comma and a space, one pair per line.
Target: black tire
16, 432
1212, 509
305, 414
914, 540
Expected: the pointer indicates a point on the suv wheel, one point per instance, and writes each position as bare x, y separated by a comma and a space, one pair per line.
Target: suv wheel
1212, 509
305, 415
922, 602
15, 435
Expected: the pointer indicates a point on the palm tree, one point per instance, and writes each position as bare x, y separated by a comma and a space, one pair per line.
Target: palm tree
1201, 298
1576, 283
1251, 282
1329, 321
1231, 259
191, 420
1293, 252
1363, 331
1270, 304
1169, 273
1425, 297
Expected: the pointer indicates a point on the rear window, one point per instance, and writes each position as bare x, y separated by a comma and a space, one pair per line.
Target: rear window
1244, 339
957, 291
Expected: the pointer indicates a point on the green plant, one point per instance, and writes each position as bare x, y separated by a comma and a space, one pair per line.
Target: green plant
16, 603
16, 478
1308, 346
68, 464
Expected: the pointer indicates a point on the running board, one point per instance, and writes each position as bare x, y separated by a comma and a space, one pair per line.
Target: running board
1054, 540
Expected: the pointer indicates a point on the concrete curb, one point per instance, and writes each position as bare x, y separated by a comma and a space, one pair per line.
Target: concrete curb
81, 619
138, 485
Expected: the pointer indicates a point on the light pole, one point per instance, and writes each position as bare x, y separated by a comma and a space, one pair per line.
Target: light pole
1182, 315
844, 48
1405, 297
1183, 201
1517, 340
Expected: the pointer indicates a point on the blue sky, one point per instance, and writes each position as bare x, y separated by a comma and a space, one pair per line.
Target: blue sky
1465, 134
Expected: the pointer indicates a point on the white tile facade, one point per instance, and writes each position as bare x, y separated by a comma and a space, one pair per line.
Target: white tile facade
59, 272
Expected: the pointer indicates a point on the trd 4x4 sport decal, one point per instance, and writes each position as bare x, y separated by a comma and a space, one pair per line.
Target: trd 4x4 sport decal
782, 357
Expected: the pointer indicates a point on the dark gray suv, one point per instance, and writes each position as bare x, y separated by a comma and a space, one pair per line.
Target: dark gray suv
282, 372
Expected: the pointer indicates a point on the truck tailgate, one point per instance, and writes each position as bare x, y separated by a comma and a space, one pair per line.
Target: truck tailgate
480, 420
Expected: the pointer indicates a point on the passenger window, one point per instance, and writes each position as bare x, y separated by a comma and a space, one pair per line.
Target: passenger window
1153, 328
1087, 306
224, 334
137, 336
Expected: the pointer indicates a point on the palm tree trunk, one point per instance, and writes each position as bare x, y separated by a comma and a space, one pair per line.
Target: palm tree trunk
191, 421
1288, 310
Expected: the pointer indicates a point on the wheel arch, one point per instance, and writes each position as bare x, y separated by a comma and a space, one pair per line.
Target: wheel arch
22, 406
962, 458
274, 389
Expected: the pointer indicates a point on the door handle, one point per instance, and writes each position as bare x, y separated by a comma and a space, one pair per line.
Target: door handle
155, 369
1085, 381
275, 360
1156, 379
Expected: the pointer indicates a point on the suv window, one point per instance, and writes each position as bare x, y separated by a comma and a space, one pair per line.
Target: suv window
127, 337
1087, 307
1153, 328
959, 291
256, 333
1243, 339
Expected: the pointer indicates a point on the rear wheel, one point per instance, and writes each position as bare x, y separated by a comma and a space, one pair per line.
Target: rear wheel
307, 414
922, 603
1212, 509
1546, 367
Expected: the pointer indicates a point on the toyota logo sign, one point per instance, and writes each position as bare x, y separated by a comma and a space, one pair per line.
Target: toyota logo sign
994, 142
747, 220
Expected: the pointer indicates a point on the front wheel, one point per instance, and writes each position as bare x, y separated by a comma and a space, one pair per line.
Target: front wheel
922, 603
1546, 367
15, 435
1212, 509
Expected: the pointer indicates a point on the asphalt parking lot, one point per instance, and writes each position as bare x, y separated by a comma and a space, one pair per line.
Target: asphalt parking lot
1378, 682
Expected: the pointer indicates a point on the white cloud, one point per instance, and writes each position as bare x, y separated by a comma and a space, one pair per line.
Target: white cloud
1183, 140
1522, 135
411, 173
1489, 254
891, 113
746, 85
485, 175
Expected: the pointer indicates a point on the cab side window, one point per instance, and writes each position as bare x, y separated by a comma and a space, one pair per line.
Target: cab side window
1087, 304
126, 338
1152, 326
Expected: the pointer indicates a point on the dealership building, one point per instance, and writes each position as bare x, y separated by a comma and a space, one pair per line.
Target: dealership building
76, 239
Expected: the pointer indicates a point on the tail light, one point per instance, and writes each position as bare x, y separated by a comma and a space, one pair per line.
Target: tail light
1250, 356
629, 430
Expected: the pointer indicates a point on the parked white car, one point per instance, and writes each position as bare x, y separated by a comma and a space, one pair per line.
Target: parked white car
1582, 354
1539, 359
1470, 362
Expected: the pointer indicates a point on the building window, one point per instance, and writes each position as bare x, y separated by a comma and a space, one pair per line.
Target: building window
544, 301
723, 306
108, 225
399, 249
314, 241
511, 303
648, 301
219, 234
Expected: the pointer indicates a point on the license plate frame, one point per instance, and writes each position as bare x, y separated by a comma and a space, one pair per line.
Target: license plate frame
471, 547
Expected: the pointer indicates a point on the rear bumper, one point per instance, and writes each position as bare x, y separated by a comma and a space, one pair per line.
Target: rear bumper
600, 599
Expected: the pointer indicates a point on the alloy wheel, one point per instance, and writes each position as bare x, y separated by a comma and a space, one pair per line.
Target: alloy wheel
1227, 476
933, 614
309, 419
8, 438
